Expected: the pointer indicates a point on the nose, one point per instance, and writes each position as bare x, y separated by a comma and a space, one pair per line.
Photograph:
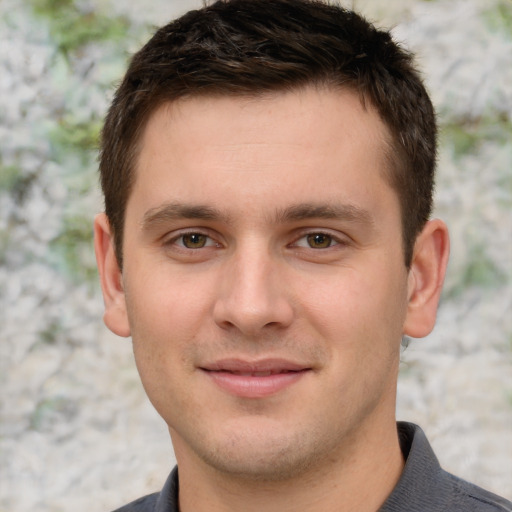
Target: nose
252, 296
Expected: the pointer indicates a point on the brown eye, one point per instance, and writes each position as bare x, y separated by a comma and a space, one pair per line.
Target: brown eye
194, 240
319, 240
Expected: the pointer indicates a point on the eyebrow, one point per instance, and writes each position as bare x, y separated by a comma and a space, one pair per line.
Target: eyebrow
173, 211
307, 211
304, 211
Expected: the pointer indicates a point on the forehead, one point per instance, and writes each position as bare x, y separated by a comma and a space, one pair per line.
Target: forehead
281, 145
315, 104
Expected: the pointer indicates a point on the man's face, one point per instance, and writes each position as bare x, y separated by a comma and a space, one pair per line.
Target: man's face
264, 278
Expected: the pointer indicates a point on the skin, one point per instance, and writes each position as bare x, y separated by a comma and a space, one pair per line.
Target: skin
264, 229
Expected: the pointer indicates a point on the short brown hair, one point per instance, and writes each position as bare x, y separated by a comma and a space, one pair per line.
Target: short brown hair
248, 47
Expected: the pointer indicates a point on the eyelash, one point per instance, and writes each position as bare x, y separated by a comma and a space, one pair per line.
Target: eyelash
175, 240
333, 241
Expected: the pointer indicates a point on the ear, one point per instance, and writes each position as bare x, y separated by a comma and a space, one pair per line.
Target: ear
115, 316
426, 277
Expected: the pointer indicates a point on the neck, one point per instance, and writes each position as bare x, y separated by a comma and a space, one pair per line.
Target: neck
359, 480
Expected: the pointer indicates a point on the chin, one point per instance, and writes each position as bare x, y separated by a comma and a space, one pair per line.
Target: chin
269, 467
265, 455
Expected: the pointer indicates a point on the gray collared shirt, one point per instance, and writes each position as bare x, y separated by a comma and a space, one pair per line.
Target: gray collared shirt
423, 487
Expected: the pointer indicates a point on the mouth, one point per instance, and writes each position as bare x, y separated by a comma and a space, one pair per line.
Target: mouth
254, 379
259, 373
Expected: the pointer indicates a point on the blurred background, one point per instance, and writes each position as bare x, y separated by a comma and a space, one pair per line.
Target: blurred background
76, 430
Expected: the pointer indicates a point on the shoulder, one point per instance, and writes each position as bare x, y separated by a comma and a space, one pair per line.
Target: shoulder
164, 501
144, 504
469, 497
425, 486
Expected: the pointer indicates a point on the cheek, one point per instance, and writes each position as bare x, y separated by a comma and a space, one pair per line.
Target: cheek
165, 318
161, 331
362, 309
167, 305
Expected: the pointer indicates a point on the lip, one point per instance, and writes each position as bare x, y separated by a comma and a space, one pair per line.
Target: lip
254, 379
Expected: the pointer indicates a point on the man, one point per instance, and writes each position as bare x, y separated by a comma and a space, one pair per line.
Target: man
268, 170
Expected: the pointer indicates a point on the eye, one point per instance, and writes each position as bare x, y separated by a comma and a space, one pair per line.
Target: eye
194, 240
319, 240
191, 240
188, 245
316, 240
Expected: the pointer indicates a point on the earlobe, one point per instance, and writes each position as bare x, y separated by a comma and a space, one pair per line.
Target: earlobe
115, 316
426, 277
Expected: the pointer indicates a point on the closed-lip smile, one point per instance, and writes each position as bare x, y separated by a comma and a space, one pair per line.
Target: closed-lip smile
254, 379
